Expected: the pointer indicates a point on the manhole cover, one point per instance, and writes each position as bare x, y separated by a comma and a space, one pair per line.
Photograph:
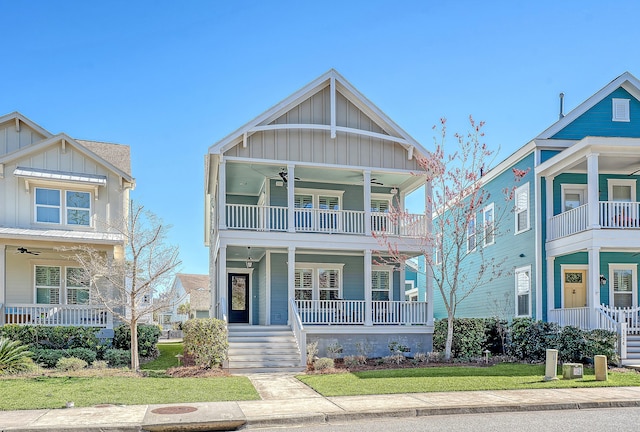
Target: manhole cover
174, 410
103, 406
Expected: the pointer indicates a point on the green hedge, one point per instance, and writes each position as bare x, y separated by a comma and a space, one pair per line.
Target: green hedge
50, 357
118, 358
48, 337
206, 340
147, 339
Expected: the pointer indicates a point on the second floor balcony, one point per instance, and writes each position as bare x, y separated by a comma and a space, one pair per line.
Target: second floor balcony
612, 215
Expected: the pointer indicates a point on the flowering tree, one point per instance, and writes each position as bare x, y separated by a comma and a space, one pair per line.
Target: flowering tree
452, 246
134, 286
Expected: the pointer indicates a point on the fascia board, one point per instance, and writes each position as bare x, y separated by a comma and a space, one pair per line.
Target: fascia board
12, 116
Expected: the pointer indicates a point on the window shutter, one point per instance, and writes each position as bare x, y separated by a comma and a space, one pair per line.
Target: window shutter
303, 201
328, 203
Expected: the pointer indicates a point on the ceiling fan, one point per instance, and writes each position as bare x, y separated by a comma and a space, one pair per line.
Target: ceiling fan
24, 250
376, 182
283, 175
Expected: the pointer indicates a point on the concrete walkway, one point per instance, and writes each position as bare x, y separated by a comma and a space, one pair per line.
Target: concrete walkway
286, 401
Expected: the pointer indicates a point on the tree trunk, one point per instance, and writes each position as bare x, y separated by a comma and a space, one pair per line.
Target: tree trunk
449, 343
135, 361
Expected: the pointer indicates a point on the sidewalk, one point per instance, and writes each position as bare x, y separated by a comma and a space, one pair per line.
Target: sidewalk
286, 401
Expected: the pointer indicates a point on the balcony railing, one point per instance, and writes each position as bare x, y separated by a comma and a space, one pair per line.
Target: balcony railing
576, 317
354, 312
272, 218
57, 315
612, 215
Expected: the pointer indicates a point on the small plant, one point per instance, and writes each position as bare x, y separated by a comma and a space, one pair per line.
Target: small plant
355, 361
312, 352
364, 349
420, 357
394, 359
117, 358
71, 364
323, 363
99, 364
14, 357
435, 357
334, 350
397, 347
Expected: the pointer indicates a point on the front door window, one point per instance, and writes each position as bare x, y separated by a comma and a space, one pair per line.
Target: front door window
238, 303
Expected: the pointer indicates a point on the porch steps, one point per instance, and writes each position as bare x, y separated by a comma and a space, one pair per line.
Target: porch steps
633, 350
262, 349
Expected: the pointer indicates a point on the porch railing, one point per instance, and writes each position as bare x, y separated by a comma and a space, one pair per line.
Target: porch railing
569, 222
57, 315
273, 218
612, 215
353, 312
298, 331
619, 214
630, 316
576, 317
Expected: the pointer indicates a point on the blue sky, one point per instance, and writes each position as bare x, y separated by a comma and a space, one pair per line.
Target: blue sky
170, 78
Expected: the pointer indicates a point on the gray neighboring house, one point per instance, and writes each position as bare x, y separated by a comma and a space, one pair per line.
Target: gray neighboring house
192, 289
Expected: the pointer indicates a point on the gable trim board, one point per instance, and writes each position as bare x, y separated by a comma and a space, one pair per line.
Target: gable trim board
18, 118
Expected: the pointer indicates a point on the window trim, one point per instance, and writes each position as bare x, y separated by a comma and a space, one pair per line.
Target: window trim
634, 281
67, 287
62, 208
317, 193
620, 103
315, 278
568, 187
64, 288
389, 271
518, 211
524, 269
621, 182
36, 287
487, 208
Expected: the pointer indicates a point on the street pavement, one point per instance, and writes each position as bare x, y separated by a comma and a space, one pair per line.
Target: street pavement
286, 401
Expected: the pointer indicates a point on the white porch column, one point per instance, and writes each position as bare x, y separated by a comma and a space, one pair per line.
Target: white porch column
592, 191
549, 203
291, 279
222, 282
593, 284
551, 289
291, 198
3, 256
367, 202
222, 193
403, 284
368, 309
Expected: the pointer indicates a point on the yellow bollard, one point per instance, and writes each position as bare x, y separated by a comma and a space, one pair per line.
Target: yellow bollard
600, 366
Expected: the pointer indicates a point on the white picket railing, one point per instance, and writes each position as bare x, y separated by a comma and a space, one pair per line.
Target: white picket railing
630, 316
331, 311
254, 217
58, 315
399, 312
569, 222
613, 215
576, 317
298, 331
619, 214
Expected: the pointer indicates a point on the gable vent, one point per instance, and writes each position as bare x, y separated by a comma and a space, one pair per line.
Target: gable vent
620, 110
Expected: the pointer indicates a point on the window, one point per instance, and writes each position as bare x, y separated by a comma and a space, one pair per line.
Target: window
623, 284
573, 196
316, 210
318, 281
48, 284
471, 234
523, 291
620, 110
379, 218
304, 284
522, 208
49, 207
77, 286
380, 284
488, 225
621, 190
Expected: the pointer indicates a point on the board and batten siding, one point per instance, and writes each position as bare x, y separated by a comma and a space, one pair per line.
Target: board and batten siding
12, 140
498, 295
597, 121
317, 146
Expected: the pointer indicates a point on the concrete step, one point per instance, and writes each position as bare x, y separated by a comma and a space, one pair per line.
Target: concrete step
255, 349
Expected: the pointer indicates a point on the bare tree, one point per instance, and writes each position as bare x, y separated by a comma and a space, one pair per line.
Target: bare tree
136, 285
458, 199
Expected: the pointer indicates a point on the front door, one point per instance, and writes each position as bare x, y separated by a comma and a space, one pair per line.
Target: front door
238, 298
575, 288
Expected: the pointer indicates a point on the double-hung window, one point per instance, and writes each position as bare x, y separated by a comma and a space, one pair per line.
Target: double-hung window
77, 286
522, 208
48, 284
304, 284
488, 225
623, 284
380, 284
523, 291
56, 206
52, 281
379, 218
317, 210
318, 281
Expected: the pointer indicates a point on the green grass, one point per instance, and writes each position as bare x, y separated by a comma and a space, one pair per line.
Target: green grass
503, 376
167, 358
49, 392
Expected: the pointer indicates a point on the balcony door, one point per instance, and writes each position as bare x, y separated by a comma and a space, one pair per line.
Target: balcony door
575, 287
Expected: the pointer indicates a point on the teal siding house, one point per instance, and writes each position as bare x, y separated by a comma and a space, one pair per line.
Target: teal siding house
572, 246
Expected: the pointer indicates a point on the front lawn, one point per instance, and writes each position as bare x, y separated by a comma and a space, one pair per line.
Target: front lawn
54, 392
167, 357
504, 376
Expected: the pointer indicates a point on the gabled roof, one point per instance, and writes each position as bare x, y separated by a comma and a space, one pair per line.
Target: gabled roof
197, 286
395, 133
19, 117
626, 80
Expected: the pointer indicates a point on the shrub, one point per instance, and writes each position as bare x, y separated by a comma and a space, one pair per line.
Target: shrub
47, 357
601, 342
571, 344
147, 339
469, 337
334, 350
14, 357
312, 351
82, 353
396, 347
99, 364
52, 337
420, 357
206, 340
393, 359
530, 339
323, 363
70, 364
117, 358
355, 361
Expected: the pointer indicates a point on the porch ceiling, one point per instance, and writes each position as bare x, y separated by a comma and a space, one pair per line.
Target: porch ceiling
247, 179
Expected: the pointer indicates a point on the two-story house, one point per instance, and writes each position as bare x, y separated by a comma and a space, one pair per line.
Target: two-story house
55, 192
294, 200
573, 243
